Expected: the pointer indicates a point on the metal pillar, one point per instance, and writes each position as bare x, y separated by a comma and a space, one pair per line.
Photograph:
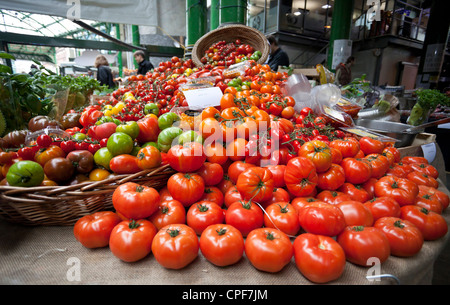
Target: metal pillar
341, 24
232, 11
196, 22
214, 15
434, 46
136, 41
119, 54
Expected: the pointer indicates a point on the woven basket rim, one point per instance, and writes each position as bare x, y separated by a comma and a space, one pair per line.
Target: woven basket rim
228, 33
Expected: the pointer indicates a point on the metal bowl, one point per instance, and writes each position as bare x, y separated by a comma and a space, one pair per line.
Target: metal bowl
391, 129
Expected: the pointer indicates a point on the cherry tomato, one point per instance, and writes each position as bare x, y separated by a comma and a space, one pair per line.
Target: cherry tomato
222, 244
44, 140
268, 249
94, 230
319, 258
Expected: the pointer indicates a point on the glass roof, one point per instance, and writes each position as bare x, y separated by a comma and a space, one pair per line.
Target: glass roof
37, 24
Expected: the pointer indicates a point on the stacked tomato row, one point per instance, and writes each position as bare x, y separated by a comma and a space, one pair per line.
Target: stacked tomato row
349, 200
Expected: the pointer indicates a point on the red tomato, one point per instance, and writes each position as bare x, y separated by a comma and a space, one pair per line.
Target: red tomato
231, 196
244, 216
442, 197
175, 246
169, 212
268, 249
332, 197
331, 179
400, 189
348, 147
124, 164
212, 173
300, 202
371, 146
399, 170
379, 164
361, 244
357, 171
405, 239
94, 230
322, 218
186, 188
135, 201
202, 214
236, 168
278, 195
186, 158
429, 202
425, 168
131, 240
356, 213
392, 152
148, 157
432, 225
222, 244
318, 152
256, 184
356, 192
148, 129
413, 159
383, 207
300, 177
278, 174
319, 258
369, 187
422, 179
282, 216
213, 194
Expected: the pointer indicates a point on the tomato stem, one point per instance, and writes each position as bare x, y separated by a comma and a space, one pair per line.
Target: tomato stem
139, 188
133, 224
221, 231
399, 224
270, 236
173, 233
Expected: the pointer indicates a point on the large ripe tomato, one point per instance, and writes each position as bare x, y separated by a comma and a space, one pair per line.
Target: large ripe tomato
213, 194
212, 173
186, 158
135, 201
432, 225
231, 196
222, 244
322, 218
282, 216
392, 153
59, 169
278, 195
236, 149
319, 258
363, 243
236, 168
256, 184
318, 152
356, 192
186, 188
332, 179
169, 212
425, 168
399, 170
94, 230
202, 214
369, 187
357, 171
44, 155
405, 239
420, 178
300, 202
148, 157
300, 177
400, 189
175, 246
278, 174
216, 153
131, 240
379, 165
148, 129
356, 213
383, 207
371, 146
348, 147
124, 164
332, 197
244, 216
429, 202
441, 196
413, 160
268, 249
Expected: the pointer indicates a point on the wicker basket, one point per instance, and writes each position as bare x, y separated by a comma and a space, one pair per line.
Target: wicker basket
229, 33
64, 205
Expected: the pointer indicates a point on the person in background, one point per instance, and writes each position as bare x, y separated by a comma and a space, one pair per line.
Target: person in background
104, 74
277, 57
144, 65
344, 72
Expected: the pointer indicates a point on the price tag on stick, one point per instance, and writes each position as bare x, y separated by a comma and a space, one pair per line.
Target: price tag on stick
203, 97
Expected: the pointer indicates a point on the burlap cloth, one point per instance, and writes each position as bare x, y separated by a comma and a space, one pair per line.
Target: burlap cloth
44, 256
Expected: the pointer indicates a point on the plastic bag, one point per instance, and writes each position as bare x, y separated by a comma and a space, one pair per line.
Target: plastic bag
51, 131
299, 87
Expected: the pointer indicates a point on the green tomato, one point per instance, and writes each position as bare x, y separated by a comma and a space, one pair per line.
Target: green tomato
102, 157
25, 173
154, 144
79, 136
151, 108
190, 136
135, 150
167, 136
120, 143
167, 119
131, 128
117, 121
104, 119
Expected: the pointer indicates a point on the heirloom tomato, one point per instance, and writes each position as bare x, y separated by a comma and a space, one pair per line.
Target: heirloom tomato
432, 225
331, 179
25, 173
186, 158
169, 212
135, 201
383, 207
356, 213
300, 177
94, 230
244, 216
124, 164
187, 188
357, 171
400, 189
371, 146
318, 152
282, 216
202, 214
256, 184
322, 218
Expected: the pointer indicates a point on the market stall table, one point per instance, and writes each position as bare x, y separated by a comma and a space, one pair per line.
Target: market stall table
50, 255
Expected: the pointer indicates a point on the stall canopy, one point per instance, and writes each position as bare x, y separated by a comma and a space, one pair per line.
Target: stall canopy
138, 12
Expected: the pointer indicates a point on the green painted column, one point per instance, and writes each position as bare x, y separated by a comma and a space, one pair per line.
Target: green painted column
214, 15
232, 11
196, 21
136, 40
341, 24
119, 54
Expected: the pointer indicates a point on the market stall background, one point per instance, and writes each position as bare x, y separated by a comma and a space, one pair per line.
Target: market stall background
319, 76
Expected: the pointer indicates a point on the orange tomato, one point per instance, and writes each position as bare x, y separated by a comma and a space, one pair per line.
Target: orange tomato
227, 101
236, 149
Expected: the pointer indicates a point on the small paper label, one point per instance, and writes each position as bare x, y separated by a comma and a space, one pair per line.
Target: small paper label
429, 151
204, 97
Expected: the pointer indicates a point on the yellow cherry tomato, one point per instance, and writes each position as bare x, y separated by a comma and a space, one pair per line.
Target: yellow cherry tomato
99, 174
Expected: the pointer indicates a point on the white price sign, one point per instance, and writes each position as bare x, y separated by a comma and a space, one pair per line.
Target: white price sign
203, 97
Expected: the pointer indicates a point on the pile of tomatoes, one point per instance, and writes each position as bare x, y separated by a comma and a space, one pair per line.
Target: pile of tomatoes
251, 176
